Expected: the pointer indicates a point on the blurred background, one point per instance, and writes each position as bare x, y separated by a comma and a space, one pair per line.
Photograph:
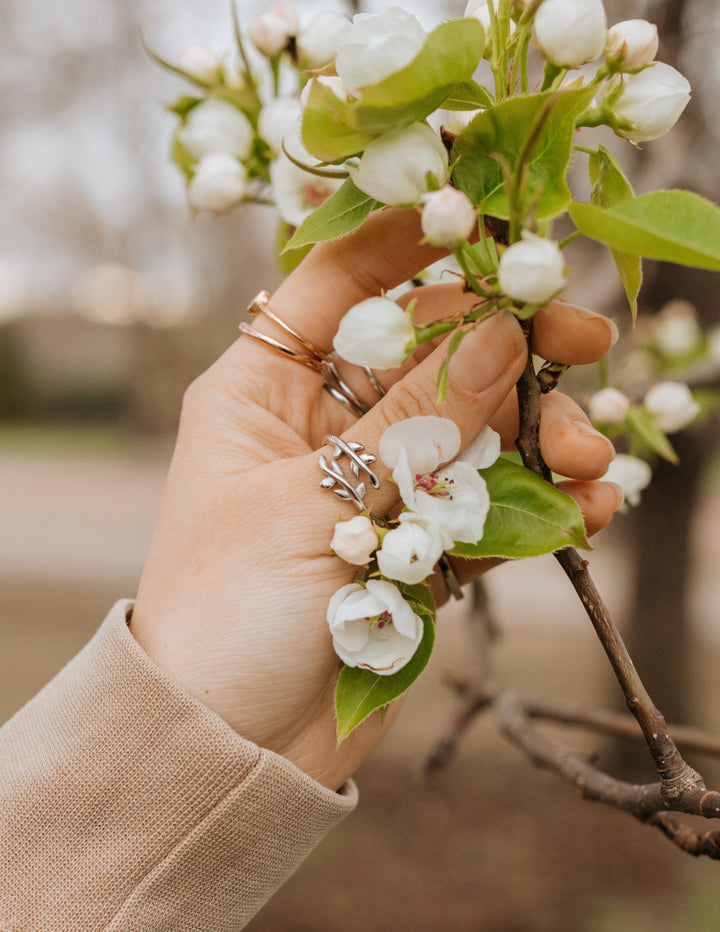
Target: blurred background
112, 298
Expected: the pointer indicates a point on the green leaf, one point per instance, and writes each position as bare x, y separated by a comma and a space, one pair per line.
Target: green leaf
449, 57
361, 692
469, 95
328, 126
443, 374
182, 158
609, 184
643, 426
341, 213
611, 187
527, 516
671, 226
183, 105
498, 135
288, 261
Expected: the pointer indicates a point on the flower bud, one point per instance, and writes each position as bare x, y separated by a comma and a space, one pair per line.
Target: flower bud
317, 44
675, 329
394, 167
355, 540
631, 474
376, 45
271, 31
409, 552
332, 81
650, 101
448, 217
479, 10
279, 119
671, 405
200, 63
608, 406
216, 126
631, 44
376, 333
571, 32
219, 182
532, 270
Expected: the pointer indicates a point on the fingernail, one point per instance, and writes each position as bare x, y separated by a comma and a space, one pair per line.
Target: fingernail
486, 353
618, 492
587, 430
587, 314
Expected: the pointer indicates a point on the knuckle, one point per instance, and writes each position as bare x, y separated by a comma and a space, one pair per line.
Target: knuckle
403, 402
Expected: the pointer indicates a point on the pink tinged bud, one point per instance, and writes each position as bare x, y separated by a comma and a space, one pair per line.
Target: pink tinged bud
355, 540
216, 126
671, 405
271, 31
651, 101
448, 217
571, 32
200, 63
317, 44
609, 406
376, 45
532, 270
632, 44
219, 182
376, 333
394, 167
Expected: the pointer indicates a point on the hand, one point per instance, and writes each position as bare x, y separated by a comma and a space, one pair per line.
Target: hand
233, 598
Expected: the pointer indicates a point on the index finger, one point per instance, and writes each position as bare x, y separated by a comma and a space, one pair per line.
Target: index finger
384, 252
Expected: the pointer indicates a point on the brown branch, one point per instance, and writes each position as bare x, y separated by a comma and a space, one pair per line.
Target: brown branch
681, 788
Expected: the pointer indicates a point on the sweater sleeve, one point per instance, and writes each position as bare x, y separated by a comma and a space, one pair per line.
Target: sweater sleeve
126, 804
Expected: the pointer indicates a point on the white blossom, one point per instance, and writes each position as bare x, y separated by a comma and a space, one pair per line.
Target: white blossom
454, 496
631, 474
355, 540
671, 405
271, 30
200, 63
376, 45
280, 119
298, 193
609, 406
532, 270
632, 44
432, 440
216, 126
376, 332
448, 217
394, 167
317, 43
410, 551
651, 101
219, 182
571, 32
373, 627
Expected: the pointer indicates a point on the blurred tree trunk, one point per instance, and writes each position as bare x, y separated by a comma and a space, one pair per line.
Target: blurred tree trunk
658, 632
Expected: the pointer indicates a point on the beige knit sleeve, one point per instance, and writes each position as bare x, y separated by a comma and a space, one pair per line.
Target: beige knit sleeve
128, 806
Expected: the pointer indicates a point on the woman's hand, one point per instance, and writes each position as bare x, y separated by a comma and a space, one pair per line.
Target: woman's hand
233, 598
